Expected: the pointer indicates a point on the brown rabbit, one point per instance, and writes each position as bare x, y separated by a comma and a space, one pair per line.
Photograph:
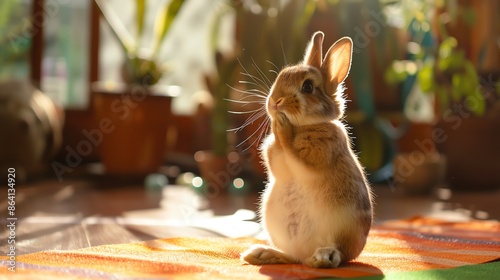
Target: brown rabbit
317, 206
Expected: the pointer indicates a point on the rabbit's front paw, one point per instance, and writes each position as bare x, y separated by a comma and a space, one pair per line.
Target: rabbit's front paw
284, 128
326, 257
283, 120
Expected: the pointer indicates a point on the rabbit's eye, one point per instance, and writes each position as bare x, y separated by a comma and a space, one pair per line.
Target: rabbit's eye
307, 86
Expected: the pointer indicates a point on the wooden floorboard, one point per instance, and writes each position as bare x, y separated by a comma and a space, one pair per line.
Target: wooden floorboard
82, 213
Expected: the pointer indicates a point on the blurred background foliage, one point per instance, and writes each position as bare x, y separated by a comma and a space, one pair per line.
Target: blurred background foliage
14, 42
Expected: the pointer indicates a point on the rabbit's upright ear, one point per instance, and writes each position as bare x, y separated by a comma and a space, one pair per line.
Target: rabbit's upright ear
314, 50
337, 61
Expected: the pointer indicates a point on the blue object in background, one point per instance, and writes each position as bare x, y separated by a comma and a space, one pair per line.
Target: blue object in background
155, 181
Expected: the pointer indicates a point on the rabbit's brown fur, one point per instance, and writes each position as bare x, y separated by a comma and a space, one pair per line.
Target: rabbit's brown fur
317, 206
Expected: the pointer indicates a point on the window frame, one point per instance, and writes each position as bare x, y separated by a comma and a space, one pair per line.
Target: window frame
76, 119
37, 47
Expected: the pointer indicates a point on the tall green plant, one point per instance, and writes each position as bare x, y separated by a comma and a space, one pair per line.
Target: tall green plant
268, 31
217, 84
142, 67
438, 65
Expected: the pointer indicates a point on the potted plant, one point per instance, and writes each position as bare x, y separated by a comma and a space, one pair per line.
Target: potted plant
269, 34
254, 30
473, 119
219, 166
372, 103
133, 116
443, 70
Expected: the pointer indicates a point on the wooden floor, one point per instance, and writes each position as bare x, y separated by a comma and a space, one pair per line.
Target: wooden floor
81, 212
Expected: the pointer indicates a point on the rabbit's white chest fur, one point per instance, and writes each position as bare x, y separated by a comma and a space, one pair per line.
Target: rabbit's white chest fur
293, 212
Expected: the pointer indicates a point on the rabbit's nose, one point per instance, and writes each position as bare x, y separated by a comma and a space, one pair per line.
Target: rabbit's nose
275, 105
279, 102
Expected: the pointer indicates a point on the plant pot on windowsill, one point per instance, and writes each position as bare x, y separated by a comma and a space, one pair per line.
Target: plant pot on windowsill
133, 121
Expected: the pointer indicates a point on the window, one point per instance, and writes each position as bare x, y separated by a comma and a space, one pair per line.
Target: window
73, 46
185, 52
65, 62
15, 40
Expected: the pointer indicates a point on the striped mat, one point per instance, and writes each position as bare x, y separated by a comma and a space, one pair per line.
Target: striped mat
417, 248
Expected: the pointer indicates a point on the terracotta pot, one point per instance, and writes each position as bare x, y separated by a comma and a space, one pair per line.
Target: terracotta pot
218, 172
133, 123
418, 172
472, 147
417, 137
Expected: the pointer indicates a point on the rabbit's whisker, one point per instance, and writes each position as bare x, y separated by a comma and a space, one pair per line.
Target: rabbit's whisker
283, 51
249, 93
244, 112
246, 102
256, 81
274, 72
259, 87
259, 82
261, 74
256, 115
255, 92
277, 68
259, 130
264, 129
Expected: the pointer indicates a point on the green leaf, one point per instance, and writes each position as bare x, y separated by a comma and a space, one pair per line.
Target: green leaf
443, 64
222, 12
469, 16
440, 3
390, 76
119, 30
396, 73
6, 8
447, 46
472, 75
441, 93
457, 87
476, 103
163, 23
470, 70
305, 15
426, 78
457, 60
140, 6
